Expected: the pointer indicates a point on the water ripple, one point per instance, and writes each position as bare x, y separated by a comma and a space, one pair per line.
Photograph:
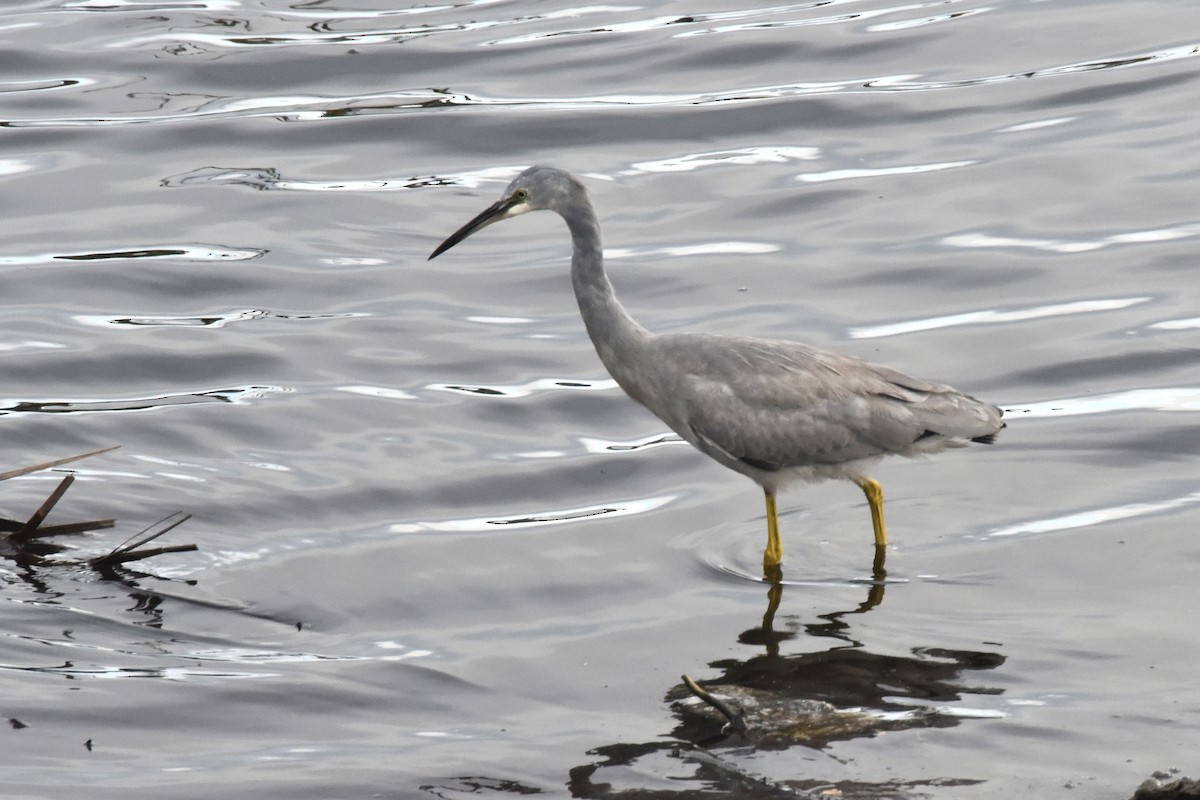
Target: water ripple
269, 179
324, 31
302, 107
29, 344
1097, 516
605, 446
992, 316
742, 156
171, 252
526, 389
599, 446
702, 249
537, 519
1177, 324
745, 20
385, 392
218, 320
166, 673
983, 239
909, 169
235, 395
44, 85
1173, 398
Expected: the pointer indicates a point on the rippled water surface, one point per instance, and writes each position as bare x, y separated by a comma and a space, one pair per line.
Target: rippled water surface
441, 554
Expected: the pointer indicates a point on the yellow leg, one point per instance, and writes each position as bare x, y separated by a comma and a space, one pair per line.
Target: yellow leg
774, 552
874, 493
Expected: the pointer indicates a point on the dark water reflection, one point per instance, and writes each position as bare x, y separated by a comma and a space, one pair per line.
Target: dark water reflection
441, 554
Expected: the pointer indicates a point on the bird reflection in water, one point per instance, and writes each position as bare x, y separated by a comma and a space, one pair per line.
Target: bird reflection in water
767, 636
771, 702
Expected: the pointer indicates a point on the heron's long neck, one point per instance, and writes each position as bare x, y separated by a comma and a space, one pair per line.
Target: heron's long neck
616, 335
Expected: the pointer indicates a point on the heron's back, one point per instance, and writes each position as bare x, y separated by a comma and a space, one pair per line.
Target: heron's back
773, 405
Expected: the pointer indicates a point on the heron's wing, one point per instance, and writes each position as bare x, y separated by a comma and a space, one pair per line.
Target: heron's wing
774, 405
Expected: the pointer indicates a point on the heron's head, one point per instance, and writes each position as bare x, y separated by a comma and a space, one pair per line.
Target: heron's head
535, 189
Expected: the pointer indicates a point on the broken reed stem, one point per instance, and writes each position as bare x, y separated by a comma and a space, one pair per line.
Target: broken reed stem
16, 473
33, 522
141, 537
69, 528
115, 558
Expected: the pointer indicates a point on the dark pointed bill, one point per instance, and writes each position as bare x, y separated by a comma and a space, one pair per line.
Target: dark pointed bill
492, 213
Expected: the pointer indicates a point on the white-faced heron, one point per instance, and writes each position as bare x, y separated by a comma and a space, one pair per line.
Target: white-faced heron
775, 411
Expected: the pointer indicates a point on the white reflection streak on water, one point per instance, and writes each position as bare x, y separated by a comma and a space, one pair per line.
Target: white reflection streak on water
991, 316
1179, 398
216, 320
773, 154
932, 19
621, 508
235, 395
847, 174
235, 655
212, 321
1177, 324
526, 389
378, 391
12, 166
244, 655
675, 20
608, 447
311, 36
262, 178
980, 240
483, 320
162, 673
1084, 519
152, 5
29, 344
705, 249
156, 252
326, 14
269, 179
238, 5
604, 447
1033, 126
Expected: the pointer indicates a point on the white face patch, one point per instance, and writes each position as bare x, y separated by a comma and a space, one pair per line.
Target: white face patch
517, 210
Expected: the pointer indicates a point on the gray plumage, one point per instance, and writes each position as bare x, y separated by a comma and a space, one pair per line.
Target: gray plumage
774, 411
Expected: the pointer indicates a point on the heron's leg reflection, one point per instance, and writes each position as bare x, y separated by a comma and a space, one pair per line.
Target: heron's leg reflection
874, 493
878, 580
774, 576
774, 552
766, 634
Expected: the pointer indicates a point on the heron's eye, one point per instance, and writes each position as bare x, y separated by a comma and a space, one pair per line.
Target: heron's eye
520, 195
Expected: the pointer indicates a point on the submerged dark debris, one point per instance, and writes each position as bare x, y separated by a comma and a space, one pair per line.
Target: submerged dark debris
27, 540
1166, 786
